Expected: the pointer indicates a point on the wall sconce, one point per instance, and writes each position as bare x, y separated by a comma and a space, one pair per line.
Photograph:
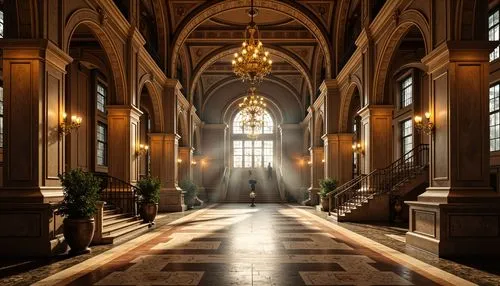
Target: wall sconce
143, 150
68, 125
194, 162
358, 148
323, 161
309, 162
179, 160
424, 125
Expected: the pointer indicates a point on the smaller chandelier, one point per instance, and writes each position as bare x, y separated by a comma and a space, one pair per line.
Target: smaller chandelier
252, 113
252, 63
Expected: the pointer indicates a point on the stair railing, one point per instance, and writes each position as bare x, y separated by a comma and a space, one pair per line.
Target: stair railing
341, 189
382, 181
119, 193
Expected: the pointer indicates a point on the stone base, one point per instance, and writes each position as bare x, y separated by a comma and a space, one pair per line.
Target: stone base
455, 229
30, 230
171, 200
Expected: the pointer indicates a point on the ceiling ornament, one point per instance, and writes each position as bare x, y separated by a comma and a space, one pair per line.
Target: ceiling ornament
252, 114
253, 63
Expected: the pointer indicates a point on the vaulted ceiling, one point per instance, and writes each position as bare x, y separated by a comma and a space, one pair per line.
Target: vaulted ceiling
207, 33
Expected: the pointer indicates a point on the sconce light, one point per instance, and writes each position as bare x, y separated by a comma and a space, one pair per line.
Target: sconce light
309, 162
179, 160
143, 150
358, 148
194, 162
425, 125
323, 161
68, 125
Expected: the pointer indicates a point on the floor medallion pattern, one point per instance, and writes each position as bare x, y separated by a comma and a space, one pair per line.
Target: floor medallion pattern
234, 244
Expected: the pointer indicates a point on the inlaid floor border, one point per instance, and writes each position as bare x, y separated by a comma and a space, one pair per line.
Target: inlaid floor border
94, 263
428, 271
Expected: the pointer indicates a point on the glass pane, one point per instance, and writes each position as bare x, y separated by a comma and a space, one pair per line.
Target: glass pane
238, 144
248, 161
257, 144
268, 144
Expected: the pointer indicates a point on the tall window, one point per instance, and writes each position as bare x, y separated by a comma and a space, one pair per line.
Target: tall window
101, 97
406, 91
102, 144
253, 153
494, 118
406, 136
1, 24
101, 124
494, 33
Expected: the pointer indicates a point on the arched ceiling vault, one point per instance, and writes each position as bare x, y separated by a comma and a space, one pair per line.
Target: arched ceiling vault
229, 80
291, 23
280, 55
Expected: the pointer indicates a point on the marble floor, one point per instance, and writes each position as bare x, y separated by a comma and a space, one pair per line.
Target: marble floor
233, 244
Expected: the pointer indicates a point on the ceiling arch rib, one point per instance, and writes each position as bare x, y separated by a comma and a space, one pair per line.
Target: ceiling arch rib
229, 80
223, 52
204, 13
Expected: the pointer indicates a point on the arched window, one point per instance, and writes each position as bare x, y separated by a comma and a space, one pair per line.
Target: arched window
249, 153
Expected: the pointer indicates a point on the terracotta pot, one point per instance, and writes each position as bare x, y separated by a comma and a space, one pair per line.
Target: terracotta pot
149, 212
78, 233
325, 204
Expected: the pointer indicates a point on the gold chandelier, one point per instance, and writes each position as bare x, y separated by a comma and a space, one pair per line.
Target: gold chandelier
253, 63
252, 113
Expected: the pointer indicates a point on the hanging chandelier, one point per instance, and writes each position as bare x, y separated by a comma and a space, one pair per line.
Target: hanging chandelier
252, 113
252, 63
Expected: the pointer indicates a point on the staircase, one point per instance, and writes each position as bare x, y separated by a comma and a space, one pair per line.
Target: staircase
371, 197
117, 219
267, 190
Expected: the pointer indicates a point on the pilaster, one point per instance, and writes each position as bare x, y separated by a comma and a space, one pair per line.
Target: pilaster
376, 137
184, 161
164, 150
317, 172
124, 136
458, 214
338, 156
34, 89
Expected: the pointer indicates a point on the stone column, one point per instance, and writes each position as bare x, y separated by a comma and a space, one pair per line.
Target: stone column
459, 213
34, 88
376, 137
184, 163
123, 134
163, 152
317, 173
338, 156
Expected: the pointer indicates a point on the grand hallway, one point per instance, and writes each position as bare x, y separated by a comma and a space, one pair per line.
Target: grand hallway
233, 244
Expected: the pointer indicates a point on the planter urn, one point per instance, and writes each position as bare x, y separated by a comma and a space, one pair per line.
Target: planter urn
149, 212
78, 233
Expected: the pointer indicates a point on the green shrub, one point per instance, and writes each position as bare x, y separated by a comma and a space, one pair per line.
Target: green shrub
81, 193
190, 188
327, 186
149, 190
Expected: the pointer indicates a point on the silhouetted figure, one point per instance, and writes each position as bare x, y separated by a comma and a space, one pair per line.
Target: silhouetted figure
269, 171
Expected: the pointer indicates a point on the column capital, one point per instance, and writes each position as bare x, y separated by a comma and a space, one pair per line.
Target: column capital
35, 49
327, 84
371, 110
164, 136
337, 137
121, 110
458, 51
173, 83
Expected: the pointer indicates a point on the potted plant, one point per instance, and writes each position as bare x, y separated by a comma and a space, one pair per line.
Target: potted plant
81, 193
328, 186
191, 192
149, 196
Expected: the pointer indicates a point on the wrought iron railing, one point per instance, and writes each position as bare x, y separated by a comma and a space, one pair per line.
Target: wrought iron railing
386, 180
350, 184
118, 193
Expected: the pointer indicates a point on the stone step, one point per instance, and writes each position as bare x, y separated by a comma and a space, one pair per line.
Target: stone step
119, 227
125, 233
110, 222
115, 216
